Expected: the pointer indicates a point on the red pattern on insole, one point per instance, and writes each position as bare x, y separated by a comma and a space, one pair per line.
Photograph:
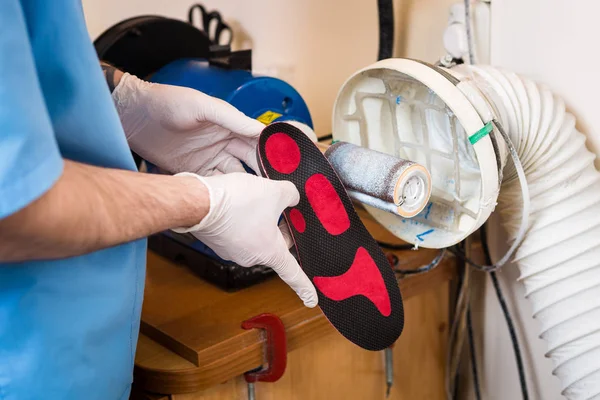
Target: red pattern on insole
297, 220
282, 153
363, 278
326, 204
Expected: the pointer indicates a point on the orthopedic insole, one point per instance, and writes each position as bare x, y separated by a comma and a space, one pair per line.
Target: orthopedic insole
357, 289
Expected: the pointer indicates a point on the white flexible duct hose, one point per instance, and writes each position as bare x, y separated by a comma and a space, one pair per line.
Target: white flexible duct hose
559, 259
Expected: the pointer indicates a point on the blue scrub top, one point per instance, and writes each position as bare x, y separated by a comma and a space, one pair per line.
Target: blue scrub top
68, 328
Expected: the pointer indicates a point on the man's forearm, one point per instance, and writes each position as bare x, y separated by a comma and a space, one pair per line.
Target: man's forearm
91, 208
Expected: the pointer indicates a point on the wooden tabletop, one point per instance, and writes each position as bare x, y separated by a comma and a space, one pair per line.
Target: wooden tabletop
191, 337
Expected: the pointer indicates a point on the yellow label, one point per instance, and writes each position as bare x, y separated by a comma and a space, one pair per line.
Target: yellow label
268, 116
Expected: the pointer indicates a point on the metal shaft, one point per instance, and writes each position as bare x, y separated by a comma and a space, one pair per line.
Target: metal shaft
251, 392
389, 370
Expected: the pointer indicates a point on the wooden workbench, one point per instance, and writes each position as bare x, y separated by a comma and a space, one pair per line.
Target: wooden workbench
192, 347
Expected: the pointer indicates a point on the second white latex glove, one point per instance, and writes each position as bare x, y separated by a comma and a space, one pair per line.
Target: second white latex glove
241, 226
182, 129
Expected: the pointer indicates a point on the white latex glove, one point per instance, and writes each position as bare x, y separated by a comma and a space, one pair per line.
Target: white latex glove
181, 129
241, 226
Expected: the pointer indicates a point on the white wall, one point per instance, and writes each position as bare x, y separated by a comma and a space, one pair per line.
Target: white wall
555, 42
313, 44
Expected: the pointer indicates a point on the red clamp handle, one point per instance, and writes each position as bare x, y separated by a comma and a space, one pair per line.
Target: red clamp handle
275, 348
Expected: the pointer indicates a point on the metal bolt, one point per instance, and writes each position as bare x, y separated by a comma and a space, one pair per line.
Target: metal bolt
389, 370
251, 393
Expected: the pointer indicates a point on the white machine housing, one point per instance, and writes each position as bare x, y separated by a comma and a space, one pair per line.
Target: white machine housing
422, 113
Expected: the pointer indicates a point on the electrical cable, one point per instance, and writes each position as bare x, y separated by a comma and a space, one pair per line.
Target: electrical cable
524, 215
510, 324
513, 336
463, 257
325, 137
421, 270
525, 198
456, 334
395, 246
469, 29
451, 383
476, 386
385, 10
514, 156
491, 268
509, 321
456, 382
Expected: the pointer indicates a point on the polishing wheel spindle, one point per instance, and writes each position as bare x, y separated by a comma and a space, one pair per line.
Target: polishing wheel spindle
379, 180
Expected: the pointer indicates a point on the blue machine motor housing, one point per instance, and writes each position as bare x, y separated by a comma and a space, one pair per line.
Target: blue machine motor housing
264, 98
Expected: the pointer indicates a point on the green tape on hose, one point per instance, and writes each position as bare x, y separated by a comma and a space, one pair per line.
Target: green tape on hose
483, 132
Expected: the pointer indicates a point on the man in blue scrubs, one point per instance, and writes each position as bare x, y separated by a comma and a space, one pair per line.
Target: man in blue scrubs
74, 212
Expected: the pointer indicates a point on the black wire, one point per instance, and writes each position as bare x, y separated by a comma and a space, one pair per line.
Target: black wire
476, 386
513, 336
385, 10
456, 381
469, 27
509, 321
461, 254
326, 137
458, 252
507, 316
460, 281
421, 270
393, 246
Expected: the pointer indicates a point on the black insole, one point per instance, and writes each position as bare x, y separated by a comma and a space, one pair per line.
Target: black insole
365, 305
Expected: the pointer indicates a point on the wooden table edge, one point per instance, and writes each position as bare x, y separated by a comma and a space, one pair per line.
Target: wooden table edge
196, 378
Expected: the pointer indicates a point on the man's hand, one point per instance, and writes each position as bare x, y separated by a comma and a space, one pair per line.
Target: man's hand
184, 130
241, 226
181, 129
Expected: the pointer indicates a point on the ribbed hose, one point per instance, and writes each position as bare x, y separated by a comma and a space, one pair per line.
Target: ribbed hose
559, 259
